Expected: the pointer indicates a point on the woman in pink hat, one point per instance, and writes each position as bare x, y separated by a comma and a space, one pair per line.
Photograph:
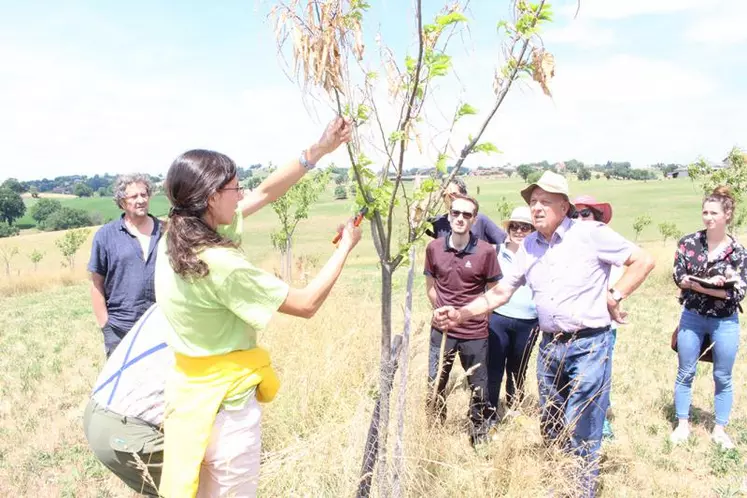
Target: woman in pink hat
588, 209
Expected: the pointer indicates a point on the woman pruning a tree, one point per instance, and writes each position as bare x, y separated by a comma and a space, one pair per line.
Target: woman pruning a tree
217, 301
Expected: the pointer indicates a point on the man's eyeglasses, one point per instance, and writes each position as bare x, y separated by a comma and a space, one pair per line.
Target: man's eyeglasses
520, 227
464, 214
134, 197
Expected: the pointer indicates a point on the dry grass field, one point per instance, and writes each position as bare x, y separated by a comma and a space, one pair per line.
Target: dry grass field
313, 433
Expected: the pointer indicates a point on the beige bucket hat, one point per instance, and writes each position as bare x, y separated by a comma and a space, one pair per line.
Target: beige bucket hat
549, 182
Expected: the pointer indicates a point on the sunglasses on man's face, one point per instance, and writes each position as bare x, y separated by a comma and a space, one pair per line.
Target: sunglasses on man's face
465, 214
520, 227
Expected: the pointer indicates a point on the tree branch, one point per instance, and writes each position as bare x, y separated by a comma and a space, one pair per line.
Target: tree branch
403, 128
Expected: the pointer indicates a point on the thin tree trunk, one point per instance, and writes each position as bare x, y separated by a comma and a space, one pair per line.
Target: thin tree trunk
371, 450
289, 262
399, 457
386, 373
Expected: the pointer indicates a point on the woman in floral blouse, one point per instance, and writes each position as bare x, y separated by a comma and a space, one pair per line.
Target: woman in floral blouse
709, 309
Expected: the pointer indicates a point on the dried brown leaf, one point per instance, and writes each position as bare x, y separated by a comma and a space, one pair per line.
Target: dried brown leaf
543, 65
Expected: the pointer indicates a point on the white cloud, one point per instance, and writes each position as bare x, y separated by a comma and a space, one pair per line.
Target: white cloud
629, 79
622, 108
722, 24
580, 33
619, 9
63, 116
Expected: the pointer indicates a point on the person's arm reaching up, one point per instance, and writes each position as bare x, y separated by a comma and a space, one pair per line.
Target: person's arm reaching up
279, 181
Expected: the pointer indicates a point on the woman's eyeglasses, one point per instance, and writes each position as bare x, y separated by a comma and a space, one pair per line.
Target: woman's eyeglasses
586, 213
520, 227
465, 214
237, 189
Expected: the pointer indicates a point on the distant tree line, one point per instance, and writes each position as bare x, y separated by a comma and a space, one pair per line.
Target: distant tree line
610, 170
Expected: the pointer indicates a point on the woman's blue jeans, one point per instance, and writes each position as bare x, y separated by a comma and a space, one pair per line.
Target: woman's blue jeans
724, 334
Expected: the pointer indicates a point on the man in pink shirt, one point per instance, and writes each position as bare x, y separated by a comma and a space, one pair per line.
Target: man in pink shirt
566, 263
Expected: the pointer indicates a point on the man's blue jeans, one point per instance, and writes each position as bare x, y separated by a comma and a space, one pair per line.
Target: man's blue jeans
573, 377
724, 333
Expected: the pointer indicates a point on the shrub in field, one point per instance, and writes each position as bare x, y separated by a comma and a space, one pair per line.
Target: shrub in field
44, 208
66, 218
7, 254
340, 193
35, 256
669, 230
8, 230
69, 244
640, 223
504, 208
291, 208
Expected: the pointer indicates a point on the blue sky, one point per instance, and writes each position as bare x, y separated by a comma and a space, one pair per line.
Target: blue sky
94, 87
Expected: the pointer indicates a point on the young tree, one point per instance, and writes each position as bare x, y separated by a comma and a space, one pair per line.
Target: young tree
35, 256
69, 244
669, 230
640, 223
7, 254
328, 51
734, 175
340, 193
504, 208
291, 209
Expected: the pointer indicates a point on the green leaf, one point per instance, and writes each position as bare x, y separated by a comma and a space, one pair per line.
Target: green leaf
429, 28
438, 63
410, 64
487, 147
452, 18
363, 161
372, 75
441, 163
465, 110
362, 113
396, 136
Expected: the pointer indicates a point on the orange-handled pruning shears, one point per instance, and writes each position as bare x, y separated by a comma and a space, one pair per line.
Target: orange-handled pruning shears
356, 222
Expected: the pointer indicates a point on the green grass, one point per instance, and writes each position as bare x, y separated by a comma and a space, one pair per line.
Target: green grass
313, 433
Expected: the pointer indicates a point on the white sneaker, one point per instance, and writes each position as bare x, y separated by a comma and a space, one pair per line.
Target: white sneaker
722, 439
680, 434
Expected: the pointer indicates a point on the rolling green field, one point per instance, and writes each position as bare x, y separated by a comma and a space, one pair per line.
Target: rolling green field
102, 205
664, 200
313, 433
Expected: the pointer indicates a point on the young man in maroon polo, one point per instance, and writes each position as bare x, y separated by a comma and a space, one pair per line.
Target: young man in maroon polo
458, 268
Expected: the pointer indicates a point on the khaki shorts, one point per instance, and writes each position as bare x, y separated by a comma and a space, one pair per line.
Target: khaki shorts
131, 448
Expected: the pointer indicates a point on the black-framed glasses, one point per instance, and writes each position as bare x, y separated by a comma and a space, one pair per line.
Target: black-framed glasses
520, 227
586, 213
467, 215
